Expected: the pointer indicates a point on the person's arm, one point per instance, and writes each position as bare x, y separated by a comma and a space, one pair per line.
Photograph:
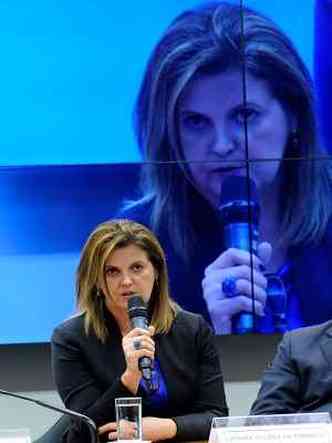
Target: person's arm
75, 382
75, 374
280, 387
210, 399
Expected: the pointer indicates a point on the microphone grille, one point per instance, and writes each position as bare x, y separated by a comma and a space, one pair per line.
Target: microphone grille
235, 189
237, 205
136, 306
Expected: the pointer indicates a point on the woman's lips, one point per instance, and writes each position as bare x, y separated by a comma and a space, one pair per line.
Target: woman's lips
128, 294
225, 170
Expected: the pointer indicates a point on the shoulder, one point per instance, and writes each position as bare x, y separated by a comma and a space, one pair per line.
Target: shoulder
190, 323
191, 338
307, 336
72, 328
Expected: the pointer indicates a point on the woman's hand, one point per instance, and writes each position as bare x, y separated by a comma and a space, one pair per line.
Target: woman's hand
128, 430
153, 429
234, 265
136, 344
110, 429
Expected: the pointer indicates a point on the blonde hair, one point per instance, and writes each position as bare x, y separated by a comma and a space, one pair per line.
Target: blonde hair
106, 238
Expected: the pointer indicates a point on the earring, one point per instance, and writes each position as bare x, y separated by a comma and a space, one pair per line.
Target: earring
99, 293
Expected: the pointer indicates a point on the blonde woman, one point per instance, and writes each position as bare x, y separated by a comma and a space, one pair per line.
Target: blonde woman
95, 354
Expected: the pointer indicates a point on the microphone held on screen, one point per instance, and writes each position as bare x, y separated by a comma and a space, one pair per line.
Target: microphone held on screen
76, 415
239, 212
138, 315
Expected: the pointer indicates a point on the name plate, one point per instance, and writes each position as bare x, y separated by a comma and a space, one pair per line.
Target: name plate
290, 433
15, 436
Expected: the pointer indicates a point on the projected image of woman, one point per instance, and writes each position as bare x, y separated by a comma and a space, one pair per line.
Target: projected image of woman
192, 114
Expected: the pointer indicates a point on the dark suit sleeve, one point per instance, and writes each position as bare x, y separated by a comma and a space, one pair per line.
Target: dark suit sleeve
210, 399
76, 384
280, 388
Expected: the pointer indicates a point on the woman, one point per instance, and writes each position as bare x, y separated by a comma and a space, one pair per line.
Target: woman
225, 93
95, 354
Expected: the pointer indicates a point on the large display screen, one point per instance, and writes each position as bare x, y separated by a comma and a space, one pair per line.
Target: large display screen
250, 253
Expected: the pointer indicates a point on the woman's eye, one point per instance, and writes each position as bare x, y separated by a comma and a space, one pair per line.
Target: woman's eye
245, 114
111, 272
195, 121
137, 268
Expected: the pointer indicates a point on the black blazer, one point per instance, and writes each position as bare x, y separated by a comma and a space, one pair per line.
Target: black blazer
300, 378
87, 374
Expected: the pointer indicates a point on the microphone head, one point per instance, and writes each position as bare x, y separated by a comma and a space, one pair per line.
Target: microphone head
137, 307
238, 194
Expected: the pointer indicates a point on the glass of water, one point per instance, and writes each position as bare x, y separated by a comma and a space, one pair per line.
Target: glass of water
129, 418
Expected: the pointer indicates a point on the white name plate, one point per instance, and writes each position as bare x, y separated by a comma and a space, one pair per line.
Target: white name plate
15, 436
290, 433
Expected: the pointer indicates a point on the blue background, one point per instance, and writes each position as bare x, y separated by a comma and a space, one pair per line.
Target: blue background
69, 76
70, 72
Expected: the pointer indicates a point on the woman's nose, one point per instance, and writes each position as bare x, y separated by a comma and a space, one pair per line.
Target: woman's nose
126, 280
224, 142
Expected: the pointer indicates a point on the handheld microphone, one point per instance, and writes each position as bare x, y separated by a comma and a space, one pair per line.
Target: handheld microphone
240, 217
138, 315
76, 415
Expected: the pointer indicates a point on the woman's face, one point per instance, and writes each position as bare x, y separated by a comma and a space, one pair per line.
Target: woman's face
128, 271
211, 117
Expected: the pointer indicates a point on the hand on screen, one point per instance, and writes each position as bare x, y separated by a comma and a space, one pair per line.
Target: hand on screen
234, 265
